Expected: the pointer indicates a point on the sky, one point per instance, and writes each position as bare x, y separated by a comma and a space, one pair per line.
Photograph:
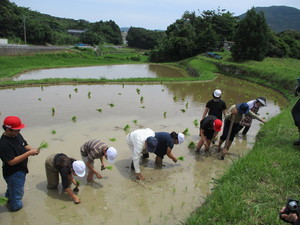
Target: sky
148, 14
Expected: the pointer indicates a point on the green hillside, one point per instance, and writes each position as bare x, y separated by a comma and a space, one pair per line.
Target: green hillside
280, 18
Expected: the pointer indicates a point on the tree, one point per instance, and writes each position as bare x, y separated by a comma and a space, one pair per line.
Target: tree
251, 37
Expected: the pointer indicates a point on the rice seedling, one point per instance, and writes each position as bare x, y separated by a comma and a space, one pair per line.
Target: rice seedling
186, 105
76, 189
53, 111
174, 190
53, 132
165, 114
119, 93
126, 128
172, 208
76, 90
186, 131
143, 107
185, 189
181, 158
182, 204
99, 110
175, 98
42, 88
196, 123
134, 121
112, 139
141, 99
3, 201
74, 119
109, 167
39, 99
149, 220
111, 105
183, 110
89, 94
192, 145
43, 145
70, 96
138, 91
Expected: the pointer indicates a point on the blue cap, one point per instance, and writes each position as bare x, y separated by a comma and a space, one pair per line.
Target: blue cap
243, 108
152, 143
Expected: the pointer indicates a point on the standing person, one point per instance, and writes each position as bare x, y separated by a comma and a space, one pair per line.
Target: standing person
254, 106
96, 149
14, 153
67, 168
234, 116
209, 128
296, 111
215, 106
141, 142
165, 145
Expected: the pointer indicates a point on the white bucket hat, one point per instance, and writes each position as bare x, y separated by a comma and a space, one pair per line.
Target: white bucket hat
79, 168
180, 138
111, 153
217, 93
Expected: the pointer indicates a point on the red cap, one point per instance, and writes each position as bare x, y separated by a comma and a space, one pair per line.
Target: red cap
217, 125
13, 122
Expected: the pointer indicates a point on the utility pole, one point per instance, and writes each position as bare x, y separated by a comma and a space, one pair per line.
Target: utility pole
24, 27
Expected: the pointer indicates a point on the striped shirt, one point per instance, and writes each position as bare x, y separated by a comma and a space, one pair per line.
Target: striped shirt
93, 149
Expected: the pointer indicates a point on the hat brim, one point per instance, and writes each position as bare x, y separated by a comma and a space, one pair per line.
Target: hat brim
80, 174
110, 160
19, 128
217, 129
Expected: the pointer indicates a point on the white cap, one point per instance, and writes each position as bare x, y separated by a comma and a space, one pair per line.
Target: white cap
217, 93
79, 168
111, 153
180, 138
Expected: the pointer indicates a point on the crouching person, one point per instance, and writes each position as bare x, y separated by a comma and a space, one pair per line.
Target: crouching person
96, 149
67, 168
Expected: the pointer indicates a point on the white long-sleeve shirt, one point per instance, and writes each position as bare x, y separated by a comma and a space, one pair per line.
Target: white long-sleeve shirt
136, 142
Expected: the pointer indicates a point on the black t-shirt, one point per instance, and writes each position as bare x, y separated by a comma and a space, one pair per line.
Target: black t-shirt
11, 147
208, 123
216, 107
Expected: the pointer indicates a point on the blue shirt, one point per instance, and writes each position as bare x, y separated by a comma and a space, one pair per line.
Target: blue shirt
164, 141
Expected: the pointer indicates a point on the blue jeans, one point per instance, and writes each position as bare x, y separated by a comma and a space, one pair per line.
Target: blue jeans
15, 190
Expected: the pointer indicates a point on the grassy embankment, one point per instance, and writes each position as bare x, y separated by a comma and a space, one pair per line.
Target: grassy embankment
256, 186
10, 66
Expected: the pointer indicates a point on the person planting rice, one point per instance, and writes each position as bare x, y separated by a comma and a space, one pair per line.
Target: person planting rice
254, 106
141, 142
231, 126
14, 153
67, 168
216, 106
165, 145
209, 128
96, 149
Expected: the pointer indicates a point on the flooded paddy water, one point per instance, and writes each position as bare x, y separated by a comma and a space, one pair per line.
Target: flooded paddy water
169, 194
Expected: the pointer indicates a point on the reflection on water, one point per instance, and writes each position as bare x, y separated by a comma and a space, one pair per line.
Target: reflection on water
101, 72
168, 195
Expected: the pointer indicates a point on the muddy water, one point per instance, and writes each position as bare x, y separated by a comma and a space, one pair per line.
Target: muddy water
107, 71
168, 195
